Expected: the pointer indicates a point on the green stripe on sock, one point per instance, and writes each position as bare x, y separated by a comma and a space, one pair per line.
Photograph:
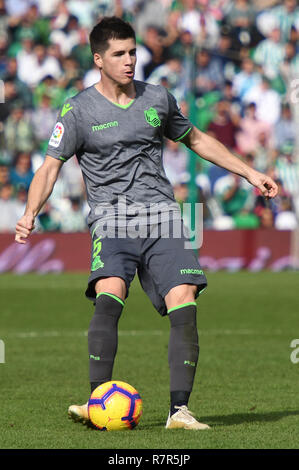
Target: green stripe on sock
180, 306
112, 296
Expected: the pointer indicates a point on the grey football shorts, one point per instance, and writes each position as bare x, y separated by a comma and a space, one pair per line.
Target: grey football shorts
161, 264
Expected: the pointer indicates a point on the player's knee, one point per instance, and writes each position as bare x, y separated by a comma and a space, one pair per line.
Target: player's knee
180, 295
111, 285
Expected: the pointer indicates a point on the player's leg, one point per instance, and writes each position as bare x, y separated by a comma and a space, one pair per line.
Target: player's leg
102, 337
183, 351
183, 347
102, 333
172, 277
113, 266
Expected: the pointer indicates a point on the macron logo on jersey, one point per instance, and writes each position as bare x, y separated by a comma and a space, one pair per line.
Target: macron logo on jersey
106, 125
66, 108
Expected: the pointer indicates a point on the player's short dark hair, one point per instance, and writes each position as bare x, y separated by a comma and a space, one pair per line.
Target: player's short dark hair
110, 27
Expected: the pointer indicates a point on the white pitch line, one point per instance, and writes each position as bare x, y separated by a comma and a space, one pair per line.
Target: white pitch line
70, 334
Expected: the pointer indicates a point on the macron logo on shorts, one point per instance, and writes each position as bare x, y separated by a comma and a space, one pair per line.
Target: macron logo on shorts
192, 271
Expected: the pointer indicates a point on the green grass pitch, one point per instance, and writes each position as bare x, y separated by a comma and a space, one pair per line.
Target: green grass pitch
246, 386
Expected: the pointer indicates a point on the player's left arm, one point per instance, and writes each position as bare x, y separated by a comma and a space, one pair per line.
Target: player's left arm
214, 151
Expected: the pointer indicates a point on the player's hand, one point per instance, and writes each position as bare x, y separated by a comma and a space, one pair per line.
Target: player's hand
264, 183
23, 228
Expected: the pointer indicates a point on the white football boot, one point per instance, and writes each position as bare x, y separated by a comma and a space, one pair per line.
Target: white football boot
79, 413
184, 419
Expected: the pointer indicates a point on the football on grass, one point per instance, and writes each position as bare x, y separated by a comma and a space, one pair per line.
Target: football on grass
115, 406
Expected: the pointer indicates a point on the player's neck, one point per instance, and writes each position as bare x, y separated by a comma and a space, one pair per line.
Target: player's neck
120, 94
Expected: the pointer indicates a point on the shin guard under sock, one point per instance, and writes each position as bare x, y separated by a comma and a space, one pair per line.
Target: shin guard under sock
183, 351
103, 338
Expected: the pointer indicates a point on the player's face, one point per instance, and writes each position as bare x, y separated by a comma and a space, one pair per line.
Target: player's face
118, 62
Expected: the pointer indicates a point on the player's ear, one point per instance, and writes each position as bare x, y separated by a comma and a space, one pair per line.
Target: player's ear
98, 59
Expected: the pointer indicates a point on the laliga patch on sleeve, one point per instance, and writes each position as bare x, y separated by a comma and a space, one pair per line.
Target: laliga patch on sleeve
57, 135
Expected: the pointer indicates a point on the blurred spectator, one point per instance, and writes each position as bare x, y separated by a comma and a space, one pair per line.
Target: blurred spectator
20, 202
225, 53
47, 8
21, 173
267, 101
47, 220
73, 219
241, 18
251, 127
289, 67
286, 218
71, 72
18, 131
231, 97
287, 169
92, 76
175, 162
224, 125
153, 41
68, 36
285, 16
81, 53
143, 58
10, 99
197, 19
183, 45
174, 73
23, 92
236, 199
34, 66
4, 174
180, 191
266, 218
17, 8
262, 154
8, 209
50, 87
270, 53
209, 75
152, 13
46, 115
285, 128
246, 79
83, 10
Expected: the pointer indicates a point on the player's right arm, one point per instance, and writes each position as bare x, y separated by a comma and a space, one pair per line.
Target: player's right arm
40, 189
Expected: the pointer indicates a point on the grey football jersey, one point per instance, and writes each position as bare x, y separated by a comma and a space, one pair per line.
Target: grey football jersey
120, 149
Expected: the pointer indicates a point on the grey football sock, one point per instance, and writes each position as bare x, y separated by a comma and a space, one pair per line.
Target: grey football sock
183, 348
103, 338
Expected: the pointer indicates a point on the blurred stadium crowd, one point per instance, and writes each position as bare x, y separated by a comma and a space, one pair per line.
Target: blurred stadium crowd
232, 65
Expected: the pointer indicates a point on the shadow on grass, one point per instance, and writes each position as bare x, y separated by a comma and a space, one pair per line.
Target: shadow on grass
252, 417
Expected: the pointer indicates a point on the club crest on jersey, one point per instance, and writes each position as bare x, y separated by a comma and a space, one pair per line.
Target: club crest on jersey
57, 135
151, 117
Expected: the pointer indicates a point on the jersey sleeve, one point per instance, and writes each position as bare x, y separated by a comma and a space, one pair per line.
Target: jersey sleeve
177, 125
63, 143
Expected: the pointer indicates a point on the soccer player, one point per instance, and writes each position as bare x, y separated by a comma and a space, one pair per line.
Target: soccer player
116, 130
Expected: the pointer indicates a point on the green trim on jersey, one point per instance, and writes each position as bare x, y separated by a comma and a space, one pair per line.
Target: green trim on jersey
62, 159
124, 106
181, 306
182, 136
112, 296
